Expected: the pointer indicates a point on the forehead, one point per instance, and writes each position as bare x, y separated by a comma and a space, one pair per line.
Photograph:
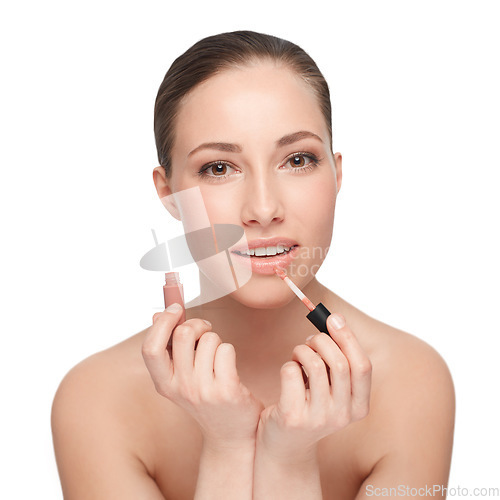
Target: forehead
258, 103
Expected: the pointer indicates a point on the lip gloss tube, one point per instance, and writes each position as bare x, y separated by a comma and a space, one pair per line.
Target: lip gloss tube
173, 291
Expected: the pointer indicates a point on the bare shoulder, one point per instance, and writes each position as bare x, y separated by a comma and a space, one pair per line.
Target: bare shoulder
399, 359
412, 407
95, 415
107, 387
408, 365
103, 377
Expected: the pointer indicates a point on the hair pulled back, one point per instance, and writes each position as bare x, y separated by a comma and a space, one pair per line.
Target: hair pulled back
217, 53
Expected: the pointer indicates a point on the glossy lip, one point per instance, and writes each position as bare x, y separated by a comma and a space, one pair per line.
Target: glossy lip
266, 265
265, 242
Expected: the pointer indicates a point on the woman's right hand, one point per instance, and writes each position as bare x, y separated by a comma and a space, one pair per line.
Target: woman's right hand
204, 381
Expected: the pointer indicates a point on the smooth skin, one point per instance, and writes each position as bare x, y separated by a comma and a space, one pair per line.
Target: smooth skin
234, 418
203, 381
206, 384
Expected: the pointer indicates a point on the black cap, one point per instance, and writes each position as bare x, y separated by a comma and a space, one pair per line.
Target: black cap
318, 317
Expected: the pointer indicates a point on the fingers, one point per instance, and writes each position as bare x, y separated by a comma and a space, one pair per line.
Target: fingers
204, 359
154, 346
293, 390
359, 363
319, 385
183, 338
183, 345
355, 363
329, 351
225, 366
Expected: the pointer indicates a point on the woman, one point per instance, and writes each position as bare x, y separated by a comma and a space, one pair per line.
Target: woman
245, 119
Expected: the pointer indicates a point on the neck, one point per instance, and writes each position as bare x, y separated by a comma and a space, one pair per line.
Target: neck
262, 336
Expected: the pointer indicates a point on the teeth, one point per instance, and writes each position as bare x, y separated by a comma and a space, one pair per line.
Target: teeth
267, 251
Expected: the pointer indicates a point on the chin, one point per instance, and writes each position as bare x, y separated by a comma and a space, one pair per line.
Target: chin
256, 296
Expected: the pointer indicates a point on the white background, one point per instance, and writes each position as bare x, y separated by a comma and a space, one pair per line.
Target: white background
415, 113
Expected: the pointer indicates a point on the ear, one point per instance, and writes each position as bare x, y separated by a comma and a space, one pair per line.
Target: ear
338, 169
164, 190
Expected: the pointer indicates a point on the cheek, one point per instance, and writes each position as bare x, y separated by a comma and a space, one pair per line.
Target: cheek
318, 196
199, 205
222, 206
192, 208
318, 207
322, 205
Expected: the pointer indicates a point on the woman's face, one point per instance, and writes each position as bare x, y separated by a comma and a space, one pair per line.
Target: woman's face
254, 141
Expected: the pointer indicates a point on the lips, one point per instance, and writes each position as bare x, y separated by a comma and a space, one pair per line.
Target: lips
265, 243
265, 254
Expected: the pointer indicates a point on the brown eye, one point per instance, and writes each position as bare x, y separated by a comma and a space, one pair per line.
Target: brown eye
219, 169
298, 161
301, 163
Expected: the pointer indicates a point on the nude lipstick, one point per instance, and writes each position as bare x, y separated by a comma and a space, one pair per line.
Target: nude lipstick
318, 314
173, 291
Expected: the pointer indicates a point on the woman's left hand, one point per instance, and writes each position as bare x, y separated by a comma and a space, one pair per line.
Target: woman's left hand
304, 415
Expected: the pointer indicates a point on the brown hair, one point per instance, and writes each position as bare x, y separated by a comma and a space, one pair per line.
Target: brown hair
216, 53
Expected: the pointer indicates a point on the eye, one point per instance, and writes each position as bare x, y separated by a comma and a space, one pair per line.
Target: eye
298, 161
302, 162
216, 171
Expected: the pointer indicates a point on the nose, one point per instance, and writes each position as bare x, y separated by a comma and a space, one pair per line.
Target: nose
262, 204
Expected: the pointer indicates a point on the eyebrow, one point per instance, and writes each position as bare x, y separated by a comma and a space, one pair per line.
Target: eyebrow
297, 136
236, 148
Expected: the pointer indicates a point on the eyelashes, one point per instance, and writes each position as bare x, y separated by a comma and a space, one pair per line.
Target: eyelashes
217, 171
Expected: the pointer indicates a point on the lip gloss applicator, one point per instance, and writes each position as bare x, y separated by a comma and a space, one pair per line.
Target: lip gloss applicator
318, 314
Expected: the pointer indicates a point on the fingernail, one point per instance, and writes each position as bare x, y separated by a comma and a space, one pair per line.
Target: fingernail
309, 338
174, 307
336, 321
208, 323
